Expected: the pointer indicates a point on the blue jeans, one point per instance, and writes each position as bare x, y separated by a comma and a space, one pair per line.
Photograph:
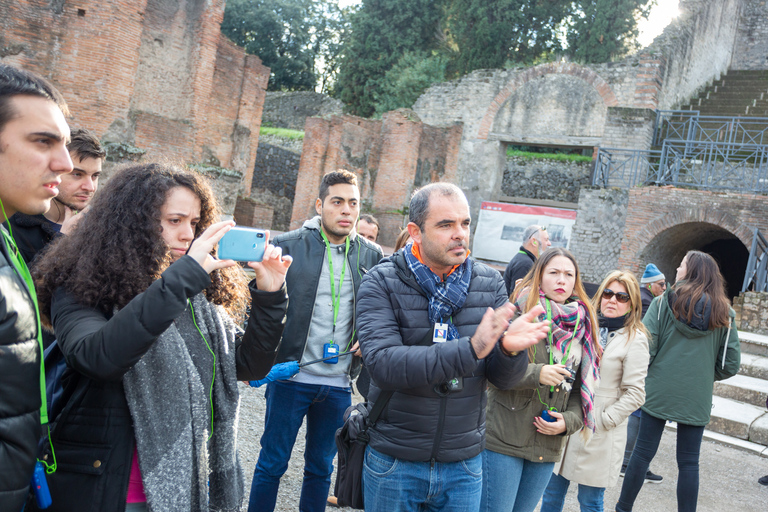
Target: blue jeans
287, 405
590, 498
688, 449
395, 485
512, 483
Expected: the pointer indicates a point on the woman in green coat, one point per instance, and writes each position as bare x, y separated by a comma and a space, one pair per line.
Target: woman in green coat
693, 344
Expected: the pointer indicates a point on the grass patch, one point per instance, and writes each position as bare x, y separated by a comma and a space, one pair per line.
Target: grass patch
560, 157
283, 133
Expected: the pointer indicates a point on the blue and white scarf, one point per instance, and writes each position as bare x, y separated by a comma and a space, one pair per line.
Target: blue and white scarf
445, 297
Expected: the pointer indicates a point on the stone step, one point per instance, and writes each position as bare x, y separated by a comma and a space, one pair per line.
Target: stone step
747, 72
739, 82
749, 390
752, 343
739, 420
754, 366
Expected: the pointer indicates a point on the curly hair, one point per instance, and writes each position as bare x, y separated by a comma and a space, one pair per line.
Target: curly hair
117, 250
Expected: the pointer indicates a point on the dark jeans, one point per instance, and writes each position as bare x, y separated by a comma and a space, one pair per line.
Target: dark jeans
287, 405
633, 427
688, 449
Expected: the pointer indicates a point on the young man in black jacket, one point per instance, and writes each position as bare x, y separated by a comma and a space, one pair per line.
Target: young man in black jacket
435, 327
328, 266
33, 232
33, 156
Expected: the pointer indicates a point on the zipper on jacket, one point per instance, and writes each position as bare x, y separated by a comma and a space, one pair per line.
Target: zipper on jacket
439, 433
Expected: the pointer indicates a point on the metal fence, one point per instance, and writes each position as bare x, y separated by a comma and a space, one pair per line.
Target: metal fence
756, 276
689, 125
703, 165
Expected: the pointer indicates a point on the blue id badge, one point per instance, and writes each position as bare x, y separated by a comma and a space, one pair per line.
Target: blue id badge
440, 333
331, 349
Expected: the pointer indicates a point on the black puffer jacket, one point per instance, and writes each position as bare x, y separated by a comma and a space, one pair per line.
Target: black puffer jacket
19, 385
307, 248
94, 439
418, 423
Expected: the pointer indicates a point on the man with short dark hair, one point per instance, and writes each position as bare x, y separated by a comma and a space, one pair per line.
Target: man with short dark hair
435, 328
33, 156
323, 281
34, 232
535, 242
368, 227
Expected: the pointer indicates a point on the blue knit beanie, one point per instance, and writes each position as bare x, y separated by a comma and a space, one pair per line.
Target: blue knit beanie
651, 274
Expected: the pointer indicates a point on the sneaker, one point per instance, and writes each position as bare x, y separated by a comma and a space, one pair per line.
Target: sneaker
653, 478
623, 470
763, 480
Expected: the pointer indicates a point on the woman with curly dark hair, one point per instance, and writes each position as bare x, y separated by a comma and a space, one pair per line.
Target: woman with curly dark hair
145, 317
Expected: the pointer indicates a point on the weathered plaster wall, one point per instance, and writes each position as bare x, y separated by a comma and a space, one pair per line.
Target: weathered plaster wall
751, 50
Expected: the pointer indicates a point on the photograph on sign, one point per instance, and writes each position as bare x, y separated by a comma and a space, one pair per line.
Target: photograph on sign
500, 228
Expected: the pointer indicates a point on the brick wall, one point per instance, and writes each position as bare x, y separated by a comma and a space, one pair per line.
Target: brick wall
389, 156
156, 74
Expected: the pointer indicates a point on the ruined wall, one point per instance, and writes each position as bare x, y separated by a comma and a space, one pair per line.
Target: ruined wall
696, 48
545, 179
291, 109
752, 312
274, 183
751, 50
598, 231
391, 157
156, 74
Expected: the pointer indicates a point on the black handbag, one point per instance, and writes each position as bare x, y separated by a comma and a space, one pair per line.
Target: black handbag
351, 440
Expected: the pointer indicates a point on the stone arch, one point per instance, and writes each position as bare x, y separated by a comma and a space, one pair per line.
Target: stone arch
665, 240
561, 68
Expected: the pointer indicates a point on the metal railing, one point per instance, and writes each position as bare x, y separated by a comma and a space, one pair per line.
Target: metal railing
703, 165
756, 276
625, 168
689, 125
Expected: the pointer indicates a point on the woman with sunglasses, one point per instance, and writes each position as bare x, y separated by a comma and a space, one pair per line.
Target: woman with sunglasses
526, 426
623, 338
692, 344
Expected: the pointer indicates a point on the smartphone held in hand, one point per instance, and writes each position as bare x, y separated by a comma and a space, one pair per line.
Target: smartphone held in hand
243, 244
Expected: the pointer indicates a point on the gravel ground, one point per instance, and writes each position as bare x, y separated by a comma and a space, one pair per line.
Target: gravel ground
728, 476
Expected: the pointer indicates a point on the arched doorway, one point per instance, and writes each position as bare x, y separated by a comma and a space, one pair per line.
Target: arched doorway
668, 248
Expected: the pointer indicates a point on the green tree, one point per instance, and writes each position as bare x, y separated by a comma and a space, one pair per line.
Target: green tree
497, 33
381, 32
408, 79
603, 30
290, 36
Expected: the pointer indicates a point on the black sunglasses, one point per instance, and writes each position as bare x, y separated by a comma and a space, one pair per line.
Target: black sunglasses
620, 296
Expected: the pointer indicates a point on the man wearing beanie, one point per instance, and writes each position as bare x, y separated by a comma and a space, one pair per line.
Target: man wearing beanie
652, 284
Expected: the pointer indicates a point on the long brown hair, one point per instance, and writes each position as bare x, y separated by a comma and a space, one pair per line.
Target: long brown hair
634, 320
117, 250
532, 282
702, 279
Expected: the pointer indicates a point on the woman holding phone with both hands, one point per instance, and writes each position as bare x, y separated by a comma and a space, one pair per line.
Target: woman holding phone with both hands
526, 426
595, 465
147, 320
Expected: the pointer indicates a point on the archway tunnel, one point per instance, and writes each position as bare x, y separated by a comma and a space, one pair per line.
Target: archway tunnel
668, 248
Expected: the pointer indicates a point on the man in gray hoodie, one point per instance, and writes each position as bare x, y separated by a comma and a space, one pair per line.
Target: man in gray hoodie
328, 266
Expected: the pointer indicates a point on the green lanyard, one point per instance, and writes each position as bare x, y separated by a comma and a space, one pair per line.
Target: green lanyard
21, 268
335, 298
549, 337
522, 252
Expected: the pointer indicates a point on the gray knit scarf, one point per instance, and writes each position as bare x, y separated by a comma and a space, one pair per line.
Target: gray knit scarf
167, 393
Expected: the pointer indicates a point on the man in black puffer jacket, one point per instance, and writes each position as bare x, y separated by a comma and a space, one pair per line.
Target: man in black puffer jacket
33, 155
430, 335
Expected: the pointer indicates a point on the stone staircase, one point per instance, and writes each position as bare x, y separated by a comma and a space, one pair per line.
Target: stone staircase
739, 416
738, 93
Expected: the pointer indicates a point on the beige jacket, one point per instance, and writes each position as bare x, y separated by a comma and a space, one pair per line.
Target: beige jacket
623, 368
